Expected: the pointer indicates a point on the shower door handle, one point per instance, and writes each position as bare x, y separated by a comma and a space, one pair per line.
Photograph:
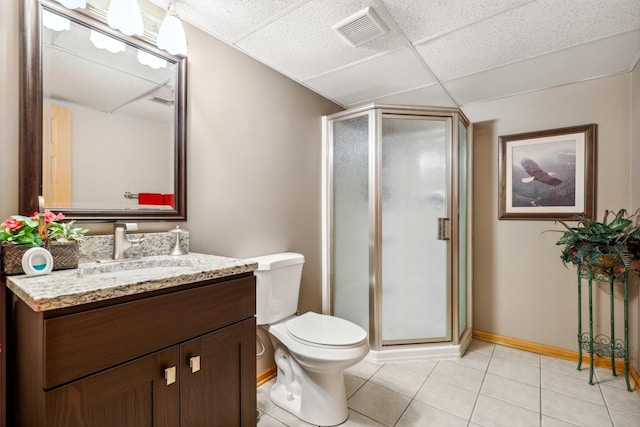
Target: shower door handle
442, 229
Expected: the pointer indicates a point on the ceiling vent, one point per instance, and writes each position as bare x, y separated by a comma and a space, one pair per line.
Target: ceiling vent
361, 27
161, 100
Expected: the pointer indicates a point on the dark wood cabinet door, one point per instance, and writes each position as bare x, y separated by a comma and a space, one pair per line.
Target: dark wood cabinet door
134, 394
222, 392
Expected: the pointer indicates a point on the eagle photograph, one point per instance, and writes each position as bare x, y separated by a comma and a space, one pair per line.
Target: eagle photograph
544, 174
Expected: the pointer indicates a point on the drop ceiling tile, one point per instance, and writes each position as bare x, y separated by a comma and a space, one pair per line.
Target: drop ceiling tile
425, 19
393, 72
302, 43
531, 30
614, 55
430, 96
458, 39
230, 20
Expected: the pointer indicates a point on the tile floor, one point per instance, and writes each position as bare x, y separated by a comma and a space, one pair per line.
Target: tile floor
490, 386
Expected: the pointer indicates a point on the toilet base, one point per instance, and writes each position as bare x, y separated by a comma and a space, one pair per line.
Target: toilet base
321, 400
310, 384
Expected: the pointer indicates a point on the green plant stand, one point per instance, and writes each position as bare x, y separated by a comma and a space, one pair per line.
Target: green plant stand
601, 344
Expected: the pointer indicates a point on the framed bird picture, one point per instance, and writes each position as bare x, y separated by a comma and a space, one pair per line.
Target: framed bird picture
549, 174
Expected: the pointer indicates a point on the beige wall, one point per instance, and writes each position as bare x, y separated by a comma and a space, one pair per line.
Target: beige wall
9, 109
521, 289
254, 159
144, 151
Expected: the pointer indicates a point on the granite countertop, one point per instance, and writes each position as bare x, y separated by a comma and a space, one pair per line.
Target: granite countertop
98, 281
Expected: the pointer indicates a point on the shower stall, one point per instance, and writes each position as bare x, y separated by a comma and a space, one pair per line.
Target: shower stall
396, 228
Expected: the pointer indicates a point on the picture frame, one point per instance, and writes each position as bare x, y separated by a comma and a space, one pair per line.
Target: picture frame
548, 174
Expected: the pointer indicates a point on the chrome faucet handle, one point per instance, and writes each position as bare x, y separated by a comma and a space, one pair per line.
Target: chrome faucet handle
130, 226
121, 241
177, 247
136, 241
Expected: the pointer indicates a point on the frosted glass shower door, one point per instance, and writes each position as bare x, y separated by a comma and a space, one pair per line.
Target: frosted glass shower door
350, 221
413, 190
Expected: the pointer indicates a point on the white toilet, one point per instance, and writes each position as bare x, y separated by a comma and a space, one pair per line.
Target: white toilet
310, 350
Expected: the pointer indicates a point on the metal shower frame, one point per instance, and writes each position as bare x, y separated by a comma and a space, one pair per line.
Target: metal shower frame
454, 117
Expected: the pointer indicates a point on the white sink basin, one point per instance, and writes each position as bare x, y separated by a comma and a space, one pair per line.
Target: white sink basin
140, 267
147, 273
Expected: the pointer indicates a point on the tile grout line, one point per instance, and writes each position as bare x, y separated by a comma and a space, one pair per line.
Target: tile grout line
364, 415
414, 395
481, 384
540, 389
356, 390
604, 400
368, 380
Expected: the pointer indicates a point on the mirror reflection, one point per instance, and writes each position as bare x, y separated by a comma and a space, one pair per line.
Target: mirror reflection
108, 113
102, 118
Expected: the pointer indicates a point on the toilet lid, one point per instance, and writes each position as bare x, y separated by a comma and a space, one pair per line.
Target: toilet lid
326, 330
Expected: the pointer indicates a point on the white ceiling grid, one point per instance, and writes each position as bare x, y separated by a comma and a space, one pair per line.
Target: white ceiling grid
437, 52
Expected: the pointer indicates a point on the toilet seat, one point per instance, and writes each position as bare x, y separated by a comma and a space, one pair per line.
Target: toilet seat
322, 330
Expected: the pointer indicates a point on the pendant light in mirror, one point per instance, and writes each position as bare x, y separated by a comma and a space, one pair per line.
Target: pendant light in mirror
103, 41
54, 21
171, 36
152, 61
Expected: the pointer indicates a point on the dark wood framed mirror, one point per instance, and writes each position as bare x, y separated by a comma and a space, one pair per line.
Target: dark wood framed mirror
73, 91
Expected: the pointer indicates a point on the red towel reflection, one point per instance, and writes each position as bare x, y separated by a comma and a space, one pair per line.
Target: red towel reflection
155, 199
150, 199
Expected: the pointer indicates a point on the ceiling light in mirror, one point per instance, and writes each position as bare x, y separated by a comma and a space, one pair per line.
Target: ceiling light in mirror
125, 15
103, 41
55, 22
151, 60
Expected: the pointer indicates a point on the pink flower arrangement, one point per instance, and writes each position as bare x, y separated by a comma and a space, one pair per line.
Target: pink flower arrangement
23, 230
49, 216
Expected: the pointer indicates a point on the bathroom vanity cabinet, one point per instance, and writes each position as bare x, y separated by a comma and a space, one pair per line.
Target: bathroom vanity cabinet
181, 356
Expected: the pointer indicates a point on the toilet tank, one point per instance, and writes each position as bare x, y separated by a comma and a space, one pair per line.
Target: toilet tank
277, 286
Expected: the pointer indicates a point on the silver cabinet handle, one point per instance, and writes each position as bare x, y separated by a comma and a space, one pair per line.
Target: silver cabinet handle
194, 364
170, 375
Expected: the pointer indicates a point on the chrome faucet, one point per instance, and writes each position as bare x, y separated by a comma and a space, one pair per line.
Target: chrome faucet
121, 242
